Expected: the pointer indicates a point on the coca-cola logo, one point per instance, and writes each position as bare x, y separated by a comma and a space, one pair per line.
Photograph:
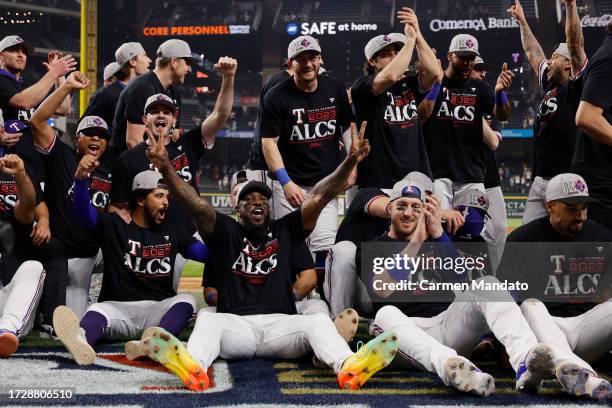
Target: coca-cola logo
601, 21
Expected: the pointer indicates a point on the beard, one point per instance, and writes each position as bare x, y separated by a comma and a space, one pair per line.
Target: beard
256, 230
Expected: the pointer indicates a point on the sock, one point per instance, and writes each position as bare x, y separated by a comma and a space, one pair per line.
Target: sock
94, 325
176, 318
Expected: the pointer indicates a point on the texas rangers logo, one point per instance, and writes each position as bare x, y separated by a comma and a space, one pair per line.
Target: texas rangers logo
305, 43
481, 200
97, 121
469, 43
580, 186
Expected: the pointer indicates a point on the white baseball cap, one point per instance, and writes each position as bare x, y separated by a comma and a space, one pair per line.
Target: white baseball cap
110, 70
159, 99
464, 45
563, 51
176, 48
148, 180
93, 122
127, 51
420, 178
301, 44
13, 40
381, 41
472, 197
569, 188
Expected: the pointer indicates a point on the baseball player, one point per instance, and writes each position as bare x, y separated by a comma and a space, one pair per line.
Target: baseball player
570, 323
594, 141
109, 75
560, 77
253, 262
137, 287
22, 278
172, 64
131, 62
387, 99
300, 130
61, 161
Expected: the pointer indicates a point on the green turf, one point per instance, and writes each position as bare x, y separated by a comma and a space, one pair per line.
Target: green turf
193, 269
514, 222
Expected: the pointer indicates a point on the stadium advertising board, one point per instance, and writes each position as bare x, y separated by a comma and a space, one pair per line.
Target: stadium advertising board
328, 28
223, 29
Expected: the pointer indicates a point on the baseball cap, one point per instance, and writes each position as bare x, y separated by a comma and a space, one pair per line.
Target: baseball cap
176, 48
251, 186
93, 122
472, 197
14, 126
481, 65
420, 178
159, 99
301, 44
568, 188
13, 40
404, 188
148, 180
562, 50
464, 45
127, 51
110, 70
381, 41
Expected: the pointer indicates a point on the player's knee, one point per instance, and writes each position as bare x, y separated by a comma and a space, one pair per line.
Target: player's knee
31, 270
532, 304
387, 313
318, 319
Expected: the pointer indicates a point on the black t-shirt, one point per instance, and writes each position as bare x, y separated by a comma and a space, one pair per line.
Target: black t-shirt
394, 132
555, 124
139, 262
104, 102
593, 160
453, 133
254, 274
308, 125
256, 157
359, 226
10, 87
61, 163
561, 266
184, 156
130, 107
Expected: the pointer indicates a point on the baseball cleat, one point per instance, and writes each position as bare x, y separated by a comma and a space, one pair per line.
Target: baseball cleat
463, 375
170, 352
347, 323
538, 365
369, 359
576, 380
66, 326
8, 343
136, 348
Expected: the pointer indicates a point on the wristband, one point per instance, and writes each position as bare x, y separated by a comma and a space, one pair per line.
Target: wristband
442, 238
432, 95
501, 98
399, 274
211, 299
282, 176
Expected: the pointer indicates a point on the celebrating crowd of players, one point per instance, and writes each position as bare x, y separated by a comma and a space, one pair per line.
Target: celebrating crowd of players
421, 169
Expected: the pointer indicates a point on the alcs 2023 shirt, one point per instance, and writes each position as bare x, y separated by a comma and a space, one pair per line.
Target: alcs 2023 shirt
394, 132
358, 225
555, 125
130, 107
254, 273
308, 125
139, 262
453, 132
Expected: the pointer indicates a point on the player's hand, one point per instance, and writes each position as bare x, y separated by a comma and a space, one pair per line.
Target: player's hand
226, 66
454, 220
60, 66
156, 152
431, 209
408, 17
41, 233
505, 79
11, 164
360, 147
420, 234
9, 139
293, 194
516, 11
86, 166
77, 80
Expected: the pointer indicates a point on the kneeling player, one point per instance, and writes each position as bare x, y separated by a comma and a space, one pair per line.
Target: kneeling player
137, 290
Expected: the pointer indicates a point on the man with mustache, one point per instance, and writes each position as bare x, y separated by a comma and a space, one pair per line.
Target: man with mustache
137, 287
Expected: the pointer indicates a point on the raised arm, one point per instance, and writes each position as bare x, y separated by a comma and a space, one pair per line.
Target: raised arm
329, 188
223, 107
12, 165
591, 119
532, 47
203, 213
574, 37
501, 109
489, 136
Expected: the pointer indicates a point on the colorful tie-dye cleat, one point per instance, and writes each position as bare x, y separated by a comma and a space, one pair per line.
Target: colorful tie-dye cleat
170, 352
369, 359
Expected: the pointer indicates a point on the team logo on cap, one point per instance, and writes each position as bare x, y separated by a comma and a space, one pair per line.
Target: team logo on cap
481, 200
305, 43
97, 122
580, 186
410, 190
17, 38
386, 38
469, 43
161, 97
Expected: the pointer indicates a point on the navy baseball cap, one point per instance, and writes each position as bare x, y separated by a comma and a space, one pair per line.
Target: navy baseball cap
251, 186
410, 189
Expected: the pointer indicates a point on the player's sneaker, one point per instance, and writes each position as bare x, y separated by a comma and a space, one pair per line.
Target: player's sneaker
463, 375
576, 380
66, 325
369, 359
169, 351
137, 348
8, 343
45, 331
538, 365
347, 323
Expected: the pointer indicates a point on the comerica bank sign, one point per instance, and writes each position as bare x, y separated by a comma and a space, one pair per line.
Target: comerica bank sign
477, 24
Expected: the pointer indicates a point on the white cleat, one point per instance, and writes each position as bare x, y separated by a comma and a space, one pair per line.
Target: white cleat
66, 326
577, 380
463, 375
538, 365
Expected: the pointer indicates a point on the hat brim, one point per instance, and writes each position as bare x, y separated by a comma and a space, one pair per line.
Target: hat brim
255, 186
161, 103
375, 53
28, 48
577, 200
102, 130
466, 53
483, 67
303, 51
406, 195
